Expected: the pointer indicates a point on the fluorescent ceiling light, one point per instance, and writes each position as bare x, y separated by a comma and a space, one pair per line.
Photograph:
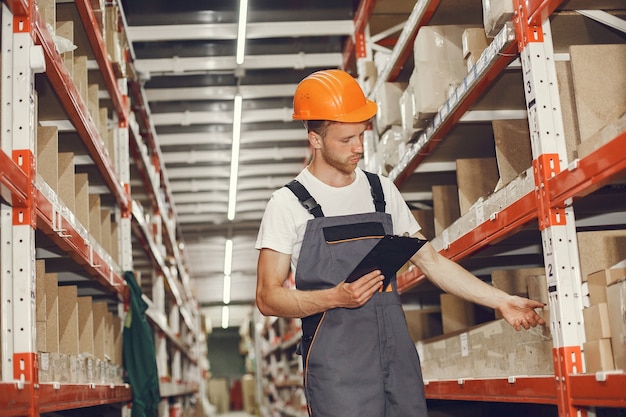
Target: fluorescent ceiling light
241, 31
228, 257
225, 317
234, 161
226, 291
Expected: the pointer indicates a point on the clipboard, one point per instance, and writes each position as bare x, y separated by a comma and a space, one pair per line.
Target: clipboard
388, 255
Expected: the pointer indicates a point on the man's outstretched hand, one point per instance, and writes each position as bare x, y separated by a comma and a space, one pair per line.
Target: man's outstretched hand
520, 312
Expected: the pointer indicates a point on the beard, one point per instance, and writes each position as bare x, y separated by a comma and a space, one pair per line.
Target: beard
345, 165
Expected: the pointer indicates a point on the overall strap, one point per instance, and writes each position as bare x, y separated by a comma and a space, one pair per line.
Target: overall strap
377, 191
307, 201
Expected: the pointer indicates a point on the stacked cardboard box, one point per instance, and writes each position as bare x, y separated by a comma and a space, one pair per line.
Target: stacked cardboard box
513, 150
493, 349
495, 14
445, 206
476, 178
439, 66
78, 340
605, 328
388, 101
474, 41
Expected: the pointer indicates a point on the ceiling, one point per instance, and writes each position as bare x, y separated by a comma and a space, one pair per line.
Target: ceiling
184, 54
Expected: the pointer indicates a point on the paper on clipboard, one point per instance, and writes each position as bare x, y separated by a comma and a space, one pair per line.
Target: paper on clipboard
389, 254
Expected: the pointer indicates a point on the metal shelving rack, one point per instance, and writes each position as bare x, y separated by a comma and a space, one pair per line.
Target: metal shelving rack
548, 199
29, 205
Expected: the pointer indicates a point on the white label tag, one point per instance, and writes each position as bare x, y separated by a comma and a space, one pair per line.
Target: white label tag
464, 345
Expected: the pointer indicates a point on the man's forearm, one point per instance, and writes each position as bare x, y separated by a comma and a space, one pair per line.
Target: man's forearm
454, 279
292, 303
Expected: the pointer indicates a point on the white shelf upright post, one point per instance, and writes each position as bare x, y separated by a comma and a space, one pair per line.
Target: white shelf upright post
557, 224
21, 59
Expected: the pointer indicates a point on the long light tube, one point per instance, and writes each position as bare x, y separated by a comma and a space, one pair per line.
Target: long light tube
241, 31
234, 160
228, 257
225, 317
228, 267
226, 291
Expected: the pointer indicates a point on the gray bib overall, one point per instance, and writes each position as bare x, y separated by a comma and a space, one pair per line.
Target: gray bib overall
357, 362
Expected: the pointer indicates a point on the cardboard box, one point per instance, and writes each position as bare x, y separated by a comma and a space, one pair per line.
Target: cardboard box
495, 14
538, 288
68, 320
514, 281
438, 65
513, 150
476, 178
426, 219
100, 309
602, 137
473, 39
85, 325
392, 146
598, 281
600, 100
423, 323
597, 322
81, 199
456, 313
64, 40
52, 312
105, 228
388, 100
248, 391
95, 222
66, 190
219, 394
47, 155
492, 349
47, 10
445, 206
407, 110
616, 303
599, 250
598, 356
568, 108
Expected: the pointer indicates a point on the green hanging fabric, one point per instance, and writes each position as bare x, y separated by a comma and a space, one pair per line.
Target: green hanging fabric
139, 357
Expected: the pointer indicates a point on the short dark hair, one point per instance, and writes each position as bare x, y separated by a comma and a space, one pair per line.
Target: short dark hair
318, 126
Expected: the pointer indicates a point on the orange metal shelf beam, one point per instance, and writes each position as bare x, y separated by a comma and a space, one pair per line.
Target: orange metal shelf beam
587, 391
63, 233
94, 35
593, 172
14, 179
15, 401
507, 222
69, 396
78, 113
535, 390
361, 19
18, 7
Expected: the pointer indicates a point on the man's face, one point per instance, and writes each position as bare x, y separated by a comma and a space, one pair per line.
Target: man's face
342, 148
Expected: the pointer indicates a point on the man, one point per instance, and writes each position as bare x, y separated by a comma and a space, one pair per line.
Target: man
358, 357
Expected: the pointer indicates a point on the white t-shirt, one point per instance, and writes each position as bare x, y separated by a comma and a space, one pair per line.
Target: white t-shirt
284, 221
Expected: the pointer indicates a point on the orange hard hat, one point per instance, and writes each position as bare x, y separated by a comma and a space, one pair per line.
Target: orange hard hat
332, 95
